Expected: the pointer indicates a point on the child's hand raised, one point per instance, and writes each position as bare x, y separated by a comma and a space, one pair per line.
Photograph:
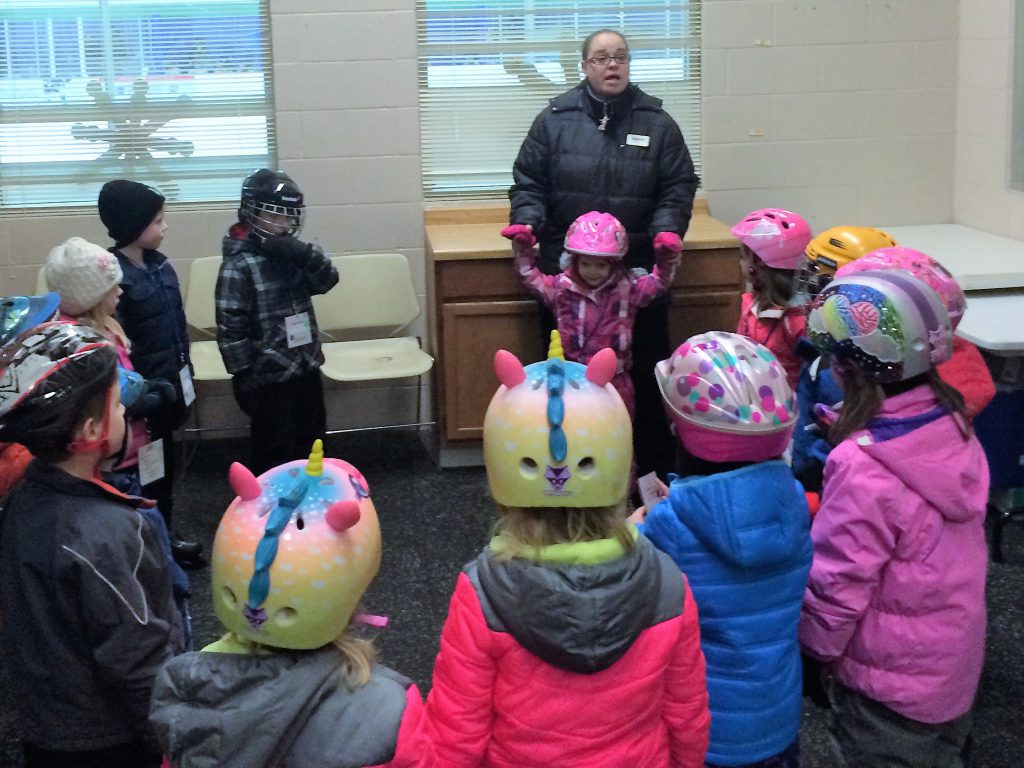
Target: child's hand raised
521, 235
667, 245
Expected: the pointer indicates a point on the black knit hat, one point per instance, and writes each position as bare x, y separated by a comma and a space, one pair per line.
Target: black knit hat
127, 208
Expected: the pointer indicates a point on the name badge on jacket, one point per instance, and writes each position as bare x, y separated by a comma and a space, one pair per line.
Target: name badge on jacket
637, 140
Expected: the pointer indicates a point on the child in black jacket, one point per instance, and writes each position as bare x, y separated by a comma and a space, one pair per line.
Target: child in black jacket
152, 314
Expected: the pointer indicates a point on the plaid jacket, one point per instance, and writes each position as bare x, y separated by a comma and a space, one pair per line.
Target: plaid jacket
254, 296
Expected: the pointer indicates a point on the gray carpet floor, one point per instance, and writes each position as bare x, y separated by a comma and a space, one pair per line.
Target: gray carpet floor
433, 521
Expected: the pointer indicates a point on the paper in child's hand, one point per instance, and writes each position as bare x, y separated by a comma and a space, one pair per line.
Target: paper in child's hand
652, 490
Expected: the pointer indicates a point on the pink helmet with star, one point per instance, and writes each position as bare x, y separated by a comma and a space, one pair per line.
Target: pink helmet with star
887, 323
920, 265
728, 398
597, 234
776, 236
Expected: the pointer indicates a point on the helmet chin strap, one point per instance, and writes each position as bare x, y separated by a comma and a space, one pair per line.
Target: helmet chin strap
102, 442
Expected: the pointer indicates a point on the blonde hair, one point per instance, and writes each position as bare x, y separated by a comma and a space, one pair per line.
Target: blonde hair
863, 398
106, 324
524, 530
358, 656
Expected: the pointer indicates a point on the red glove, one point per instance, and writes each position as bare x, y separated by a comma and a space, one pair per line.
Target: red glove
521, 235
667, 244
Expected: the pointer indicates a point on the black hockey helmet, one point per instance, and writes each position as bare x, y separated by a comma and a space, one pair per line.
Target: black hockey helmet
270, 192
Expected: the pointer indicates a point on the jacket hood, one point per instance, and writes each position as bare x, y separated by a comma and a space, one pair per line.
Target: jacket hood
927, 454
235, 241
750, 517
282, 708
581, 618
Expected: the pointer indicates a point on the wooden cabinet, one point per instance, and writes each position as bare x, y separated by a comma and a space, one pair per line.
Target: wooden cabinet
706, 292
478, 306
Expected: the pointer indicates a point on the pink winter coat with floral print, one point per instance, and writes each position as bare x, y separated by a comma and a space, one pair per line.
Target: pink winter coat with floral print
590, 319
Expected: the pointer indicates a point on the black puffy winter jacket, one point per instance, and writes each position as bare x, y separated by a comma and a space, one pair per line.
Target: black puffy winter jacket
638, 169
153, 316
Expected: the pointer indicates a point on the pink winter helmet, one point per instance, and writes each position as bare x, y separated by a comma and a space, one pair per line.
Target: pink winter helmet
728, 398
776, 236
597, 234
920, 265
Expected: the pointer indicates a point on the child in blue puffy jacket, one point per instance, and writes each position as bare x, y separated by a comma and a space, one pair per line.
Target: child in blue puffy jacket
739, 530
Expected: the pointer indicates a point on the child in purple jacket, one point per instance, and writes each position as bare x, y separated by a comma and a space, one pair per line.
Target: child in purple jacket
594, 299
895, 602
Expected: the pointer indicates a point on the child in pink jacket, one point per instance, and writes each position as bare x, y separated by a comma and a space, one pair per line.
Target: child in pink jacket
595, 300
895, 602
570, 641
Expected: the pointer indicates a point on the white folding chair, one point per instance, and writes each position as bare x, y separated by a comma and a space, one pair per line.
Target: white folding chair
201, 315
375, 296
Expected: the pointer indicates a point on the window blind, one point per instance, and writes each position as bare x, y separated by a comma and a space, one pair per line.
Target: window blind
175, 93
488, 67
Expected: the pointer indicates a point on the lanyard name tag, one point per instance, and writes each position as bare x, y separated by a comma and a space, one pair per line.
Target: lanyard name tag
151, 462
637, 140
188, 390
298, 330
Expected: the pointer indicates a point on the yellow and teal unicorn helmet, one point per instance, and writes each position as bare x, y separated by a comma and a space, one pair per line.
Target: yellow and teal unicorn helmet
556, 433
294, 552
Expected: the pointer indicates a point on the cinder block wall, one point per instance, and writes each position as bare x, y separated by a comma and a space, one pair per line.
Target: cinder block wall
873, 112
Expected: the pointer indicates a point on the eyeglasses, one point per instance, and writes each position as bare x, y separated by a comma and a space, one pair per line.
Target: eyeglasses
602, 59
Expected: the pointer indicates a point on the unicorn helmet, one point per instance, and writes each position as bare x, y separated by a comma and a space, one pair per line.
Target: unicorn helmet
888, 324
597, 234
728, 398
776, 236
556, 433
835, 248
921, 266
294, 552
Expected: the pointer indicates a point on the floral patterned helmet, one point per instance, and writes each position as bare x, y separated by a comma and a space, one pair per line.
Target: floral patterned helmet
921, 266
888, 324
776, 236
557, 434
294, 552
728, 398
597, 234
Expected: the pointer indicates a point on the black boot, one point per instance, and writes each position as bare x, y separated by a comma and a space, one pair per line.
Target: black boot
188, 554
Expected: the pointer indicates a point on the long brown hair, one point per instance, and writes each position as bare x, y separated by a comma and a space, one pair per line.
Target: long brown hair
772, 287
524, 530
863, 398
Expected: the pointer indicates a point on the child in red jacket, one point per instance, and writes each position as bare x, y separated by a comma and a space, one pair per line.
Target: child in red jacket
772, 243
569, 641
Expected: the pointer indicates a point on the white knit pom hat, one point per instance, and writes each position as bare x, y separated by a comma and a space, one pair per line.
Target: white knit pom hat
82, 273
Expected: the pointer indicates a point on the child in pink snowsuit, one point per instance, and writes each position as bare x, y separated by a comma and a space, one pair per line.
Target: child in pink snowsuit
594, 299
